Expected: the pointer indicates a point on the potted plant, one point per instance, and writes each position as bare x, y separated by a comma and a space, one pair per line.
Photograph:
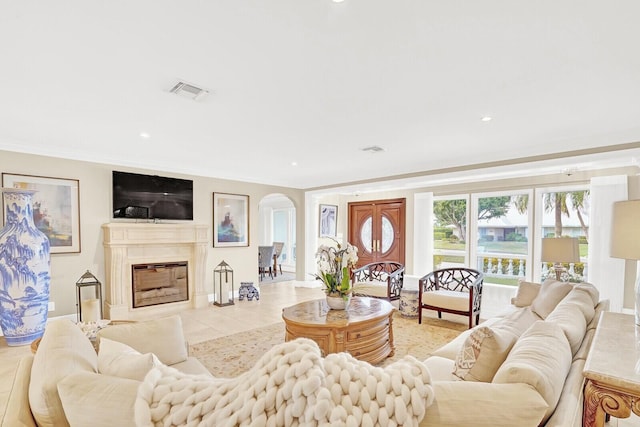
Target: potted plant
334, 265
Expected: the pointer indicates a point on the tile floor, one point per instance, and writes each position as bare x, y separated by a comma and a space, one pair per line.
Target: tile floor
214, 322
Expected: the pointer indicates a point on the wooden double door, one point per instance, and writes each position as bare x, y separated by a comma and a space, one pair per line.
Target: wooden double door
377, 228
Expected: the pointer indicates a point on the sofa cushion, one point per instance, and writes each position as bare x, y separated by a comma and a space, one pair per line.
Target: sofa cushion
483, 352
540, 358
568, 412
582, 300
63, 350
465, 404
441, 369
452, 300
372, 288
551, 293
120, 360
97, 400
570, 315
527, 292
163, 337
591, 290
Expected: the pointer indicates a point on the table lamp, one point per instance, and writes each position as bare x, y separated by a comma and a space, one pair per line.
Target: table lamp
559, 250
625, 239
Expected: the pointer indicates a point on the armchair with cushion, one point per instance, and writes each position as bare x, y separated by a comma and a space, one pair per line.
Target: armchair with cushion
379, 279
452, 290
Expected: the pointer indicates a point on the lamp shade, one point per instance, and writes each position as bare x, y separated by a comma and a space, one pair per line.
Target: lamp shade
560, 249
625, 230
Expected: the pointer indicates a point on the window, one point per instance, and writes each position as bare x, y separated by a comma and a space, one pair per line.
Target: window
450, 231
501, 230
564, 212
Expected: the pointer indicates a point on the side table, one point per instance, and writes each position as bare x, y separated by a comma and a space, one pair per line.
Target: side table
408, 305
612, 370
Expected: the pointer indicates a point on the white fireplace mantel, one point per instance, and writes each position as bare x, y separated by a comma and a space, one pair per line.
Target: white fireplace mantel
127, 244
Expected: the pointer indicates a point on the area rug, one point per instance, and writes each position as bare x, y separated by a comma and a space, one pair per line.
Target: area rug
234, 354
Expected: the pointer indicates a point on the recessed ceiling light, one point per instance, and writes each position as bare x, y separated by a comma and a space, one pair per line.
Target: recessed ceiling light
145, 135
294, 163
338, 1
486, 119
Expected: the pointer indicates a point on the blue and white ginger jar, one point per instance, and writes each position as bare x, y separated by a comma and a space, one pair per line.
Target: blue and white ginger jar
24, 271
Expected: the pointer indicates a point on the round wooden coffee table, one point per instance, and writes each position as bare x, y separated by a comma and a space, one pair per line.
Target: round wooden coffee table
364, 329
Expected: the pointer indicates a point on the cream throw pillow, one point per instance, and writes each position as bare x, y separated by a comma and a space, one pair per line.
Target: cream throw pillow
527, 292
540, 358
551, 293
163, 337
64, 350
482, 353
120, 360
96, 400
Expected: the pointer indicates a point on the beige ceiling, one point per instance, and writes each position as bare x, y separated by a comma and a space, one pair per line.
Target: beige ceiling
314, 82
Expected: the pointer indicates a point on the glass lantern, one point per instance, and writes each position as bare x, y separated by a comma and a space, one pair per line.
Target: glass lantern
88, 298
223, 285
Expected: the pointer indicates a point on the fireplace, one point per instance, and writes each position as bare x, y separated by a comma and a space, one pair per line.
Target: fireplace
160, 283
131, 245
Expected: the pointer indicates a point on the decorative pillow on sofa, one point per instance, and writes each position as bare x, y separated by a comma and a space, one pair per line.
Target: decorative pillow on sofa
551, 293
527, 292
483, 352
540, 358
163, 337
64, 350
96, 400
120, 360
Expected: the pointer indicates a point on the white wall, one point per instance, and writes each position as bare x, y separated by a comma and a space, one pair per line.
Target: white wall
95, 210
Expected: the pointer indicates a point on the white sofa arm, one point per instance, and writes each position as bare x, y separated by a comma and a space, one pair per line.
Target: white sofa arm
466, 403
18, 412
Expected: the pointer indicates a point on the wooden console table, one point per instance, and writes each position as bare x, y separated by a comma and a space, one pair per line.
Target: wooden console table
612, 370
364, 329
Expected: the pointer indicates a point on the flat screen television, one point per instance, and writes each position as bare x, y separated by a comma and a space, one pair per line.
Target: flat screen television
151, 197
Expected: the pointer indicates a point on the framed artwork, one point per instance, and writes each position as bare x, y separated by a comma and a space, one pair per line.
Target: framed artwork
230, 220
328, 220
56, 208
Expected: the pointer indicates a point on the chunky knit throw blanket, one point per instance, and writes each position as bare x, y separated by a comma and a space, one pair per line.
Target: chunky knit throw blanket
291, 385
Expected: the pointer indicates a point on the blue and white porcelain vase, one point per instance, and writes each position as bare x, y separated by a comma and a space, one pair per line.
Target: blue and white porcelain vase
24, 271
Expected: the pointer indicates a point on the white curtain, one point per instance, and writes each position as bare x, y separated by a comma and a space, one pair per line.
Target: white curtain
606, 273
422, 234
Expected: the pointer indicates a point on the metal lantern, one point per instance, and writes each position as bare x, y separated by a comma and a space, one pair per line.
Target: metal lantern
88, 298
223, 284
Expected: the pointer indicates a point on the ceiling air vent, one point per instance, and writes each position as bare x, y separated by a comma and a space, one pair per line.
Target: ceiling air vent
373, 149
188, 90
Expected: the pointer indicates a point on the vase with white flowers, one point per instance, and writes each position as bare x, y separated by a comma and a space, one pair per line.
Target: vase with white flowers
334, 266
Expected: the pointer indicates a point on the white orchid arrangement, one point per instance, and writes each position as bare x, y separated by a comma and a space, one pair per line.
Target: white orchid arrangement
334, 264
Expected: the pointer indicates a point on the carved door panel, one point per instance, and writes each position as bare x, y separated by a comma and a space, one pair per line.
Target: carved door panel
377, 228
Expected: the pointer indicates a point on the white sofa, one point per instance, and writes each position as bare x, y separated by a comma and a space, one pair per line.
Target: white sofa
68, 383
521, 368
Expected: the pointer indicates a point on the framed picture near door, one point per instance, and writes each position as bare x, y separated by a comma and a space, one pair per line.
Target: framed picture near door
230, 220
328, 220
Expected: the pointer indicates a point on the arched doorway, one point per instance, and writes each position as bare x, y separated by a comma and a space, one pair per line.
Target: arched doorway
277, 223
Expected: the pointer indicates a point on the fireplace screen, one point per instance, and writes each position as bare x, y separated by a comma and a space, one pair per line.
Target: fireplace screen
159, 283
